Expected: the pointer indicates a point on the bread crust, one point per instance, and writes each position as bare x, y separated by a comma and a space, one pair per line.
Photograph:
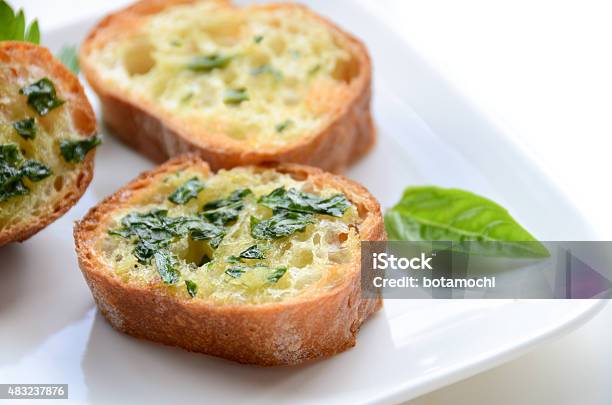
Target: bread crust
281, 333
83, 117
348, 136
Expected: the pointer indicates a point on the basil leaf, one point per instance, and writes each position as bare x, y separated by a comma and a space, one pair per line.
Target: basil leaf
165, 263
223, 211
208, 63
192, 288
42, 96
281, 224
235, 96
297, 201
431, 213
252, 252
69, 57
26, 128
276, 274
75, 151
14, 169
187, 191
258, 38
13, 26
283, 125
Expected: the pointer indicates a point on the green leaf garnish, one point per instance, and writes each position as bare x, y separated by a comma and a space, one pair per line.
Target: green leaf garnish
298, 201
235, 96
208, 63
14, 170
26, 128
192, 288
224, 211
75, 151
42, 96
431, 214
187, 191
69, 57
258, 38
281, 224
283, 125
165, 262
13, 26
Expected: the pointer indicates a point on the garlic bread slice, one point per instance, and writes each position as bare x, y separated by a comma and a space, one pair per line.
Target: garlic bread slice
47, 129
238, 85
255, 264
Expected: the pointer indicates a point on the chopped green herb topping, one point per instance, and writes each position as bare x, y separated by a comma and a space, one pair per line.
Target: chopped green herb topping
187, 191
206, 231
75, 151
14, 170
272, 277
154, 230
252, 252
282, 223
258, 38
283, 125
26, 128
42, 96
165, 262
266, 68
223, 211
235, 96
13, 26
208, 63
313, 70
192, 288
233, 259
298, 201
276, 274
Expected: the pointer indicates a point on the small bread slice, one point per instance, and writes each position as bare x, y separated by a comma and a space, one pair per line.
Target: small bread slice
238, 85
42, 106
275, 286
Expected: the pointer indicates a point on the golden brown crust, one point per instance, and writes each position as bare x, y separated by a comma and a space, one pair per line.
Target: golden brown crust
289, 332
349, 135
29, 55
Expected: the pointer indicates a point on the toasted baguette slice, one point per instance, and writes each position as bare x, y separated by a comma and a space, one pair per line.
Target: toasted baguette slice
238, 85
254, 296
37, 184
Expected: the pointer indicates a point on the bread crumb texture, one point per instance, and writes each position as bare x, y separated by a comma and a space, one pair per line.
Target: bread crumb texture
264, 76
315, 259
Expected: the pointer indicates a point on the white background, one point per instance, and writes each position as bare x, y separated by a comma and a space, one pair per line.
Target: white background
543, 71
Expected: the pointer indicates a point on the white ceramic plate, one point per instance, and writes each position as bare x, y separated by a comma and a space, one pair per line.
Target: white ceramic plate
52, 333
